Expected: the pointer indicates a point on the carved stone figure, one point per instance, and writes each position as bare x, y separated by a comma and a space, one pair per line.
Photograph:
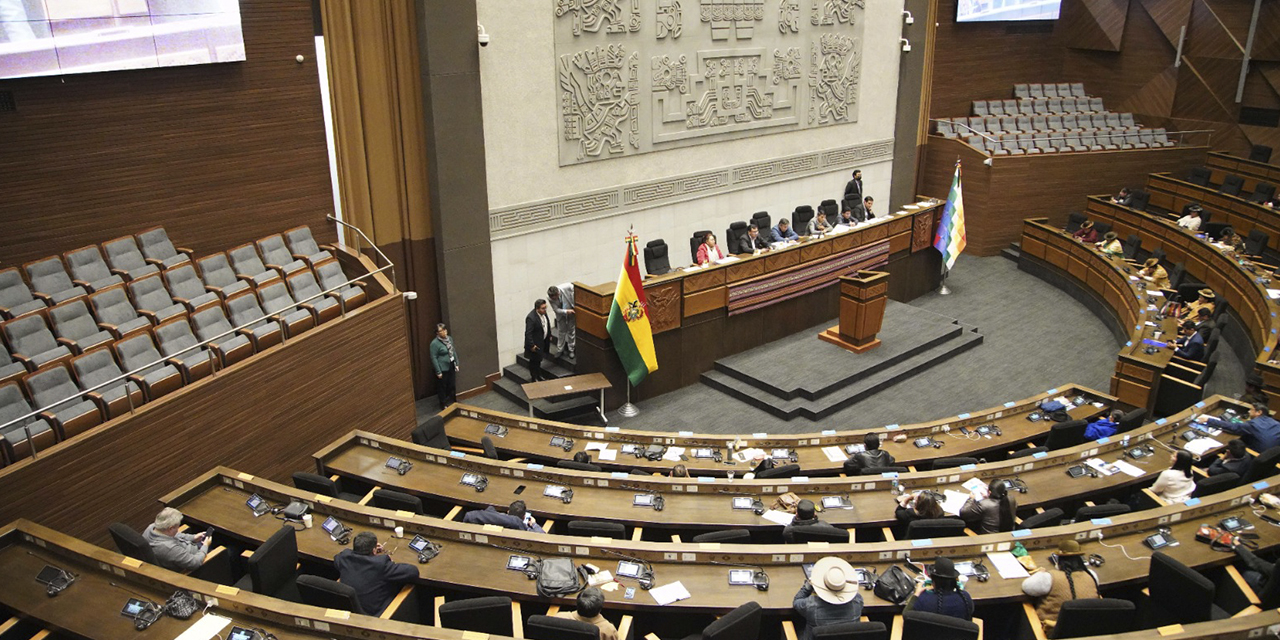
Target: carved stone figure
670, 21
616, 16
598, 100
829, 12
835, 68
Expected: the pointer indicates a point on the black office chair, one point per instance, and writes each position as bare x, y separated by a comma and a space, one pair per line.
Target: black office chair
800, 218
1263, 466
925, 625
489, 614
316, 483
733, 236
588, 528
875, 471
729, 536
762, 221
490, 451
1175, 395
1101, 227
1140, 200
1028, 452
1262, 193
656, 260
1085, 514
578, 466
1256, 242
431, 434
694, 243
1260, 153
1199, 176
272, 569
1132, 245
852, 631
323, 592
1049, 518
1216, 230
540, 627
1074, 220
935, 528
742, 623
1066, 434
830, 209
1178, 594
131, 543
951, 463
1231, 185
397, 501
1131, 420
780, 471
821, 533
1216, 484
1159, 254
1094, 617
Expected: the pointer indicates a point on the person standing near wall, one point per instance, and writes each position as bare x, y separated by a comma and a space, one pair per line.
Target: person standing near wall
560, 298
445, 361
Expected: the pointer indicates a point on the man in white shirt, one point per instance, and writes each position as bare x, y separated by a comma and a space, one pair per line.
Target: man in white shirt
1191, 221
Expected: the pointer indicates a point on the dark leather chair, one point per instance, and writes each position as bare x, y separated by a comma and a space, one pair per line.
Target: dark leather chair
830, 209
553, 628
1131, 420
1049, 518
1140, 200
800, 218
935, 528
1028, 452
1262, 193
1175, 394
490, 614
1231, 185
1074, 220
924, 625
490, 451
1085, 514
1260, 153
1216, 230
588, 528
431, 434
743, 623
1256, 242
1132, 245
1199, 176
951, 463
820, 533
875, 471
694, 243
852, 631
1066, 434
763, 222
780, 471
733, 236
1159, 254
1216, 484
272, 569
730, 536
323, 592
1179, 594
397, 501
656, 260
578, 466
1095, 617
1102, 227
131, 543
1263, 466
316, 483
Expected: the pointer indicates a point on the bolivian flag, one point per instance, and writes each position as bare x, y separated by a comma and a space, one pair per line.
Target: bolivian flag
628, 323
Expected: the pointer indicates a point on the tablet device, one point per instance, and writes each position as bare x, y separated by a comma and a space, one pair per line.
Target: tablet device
331, 526
256, 503
743, 503
1076, 471
553, 491
241, 633
48, 574
495, 430
419, 543
628, 569
517, 563
470, 479
1157, 541
854, 448
834, 502
629, 448
558, 441
741, 577
859, 575
703, 453
1234, 524
923, 442
808, 569
780, 454
394, 463
642, 500
964, 568
133, 607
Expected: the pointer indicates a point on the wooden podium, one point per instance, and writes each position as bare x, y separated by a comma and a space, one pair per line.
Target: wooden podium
862, 301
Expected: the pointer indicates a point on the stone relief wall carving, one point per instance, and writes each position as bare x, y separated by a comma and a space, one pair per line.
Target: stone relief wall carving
737, 70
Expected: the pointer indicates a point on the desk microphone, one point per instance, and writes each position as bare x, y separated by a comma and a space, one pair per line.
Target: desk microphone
646, 576
149, 613
659, 502
759, 579
59, 584
566, 496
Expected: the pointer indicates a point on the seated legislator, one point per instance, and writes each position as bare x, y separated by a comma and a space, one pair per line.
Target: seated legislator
752, 242
1124, 198
1104, 427
1204, 321
830, 596
1086, 233
921, 505
806, 520
946, 597
818, 225
784, 233
517, 517
863, 213
992, 514
1191, 221
1232, 241
590, 602
1205, 301
1154, 274
870, 457
1110, 244
846, 215
1260, 432
1253, 393
679, 471
1190, 344
175, 551
365, 568
709, 252
1236, 459
1052, 587
1176, 483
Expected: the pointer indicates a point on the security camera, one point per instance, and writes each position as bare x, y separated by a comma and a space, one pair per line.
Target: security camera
906, 45
410, 295
987, 162
908, 18
481, 35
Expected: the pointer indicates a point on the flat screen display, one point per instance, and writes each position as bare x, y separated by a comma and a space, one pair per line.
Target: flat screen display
60, 37
1006, 10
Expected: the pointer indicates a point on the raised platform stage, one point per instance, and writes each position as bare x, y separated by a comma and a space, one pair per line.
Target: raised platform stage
806, 377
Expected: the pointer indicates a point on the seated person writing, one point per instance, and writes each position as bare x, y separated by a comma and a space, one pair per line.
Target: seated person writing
1086, 232
709, 252
1236, 459
1103, 427
784, 233
945, 597
870, 457
752, 242
830, 596
1191, 221
846, 215
590, 602
1124, 197
1154, 274
175, 551
992, 514
817, 225
923, 505
1052, 587
806, 520
517, 517
366, 568
1260, 432
1190, 344
1110, 244
1175, 484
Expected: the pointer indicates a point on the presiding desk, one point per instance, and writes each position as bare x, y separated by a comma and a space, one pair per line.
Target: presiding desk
695, 505
700, 315
531, 438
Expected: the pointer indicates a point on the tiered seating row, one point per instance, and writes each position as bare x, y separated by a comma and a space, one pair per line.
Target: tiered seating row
1034, 107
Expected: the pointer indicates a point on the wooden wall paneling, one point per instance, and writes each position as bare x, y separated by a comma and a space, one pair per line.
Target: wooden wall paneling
1093, 24
264, 416
218, 154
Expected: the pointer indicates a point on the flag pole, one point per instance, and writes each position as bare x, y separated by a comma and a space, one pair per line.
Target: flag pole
628, 410
943, 290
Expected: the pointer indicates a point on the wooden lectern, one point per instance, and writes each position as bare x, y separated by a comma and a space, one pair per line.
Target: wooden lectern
862, 301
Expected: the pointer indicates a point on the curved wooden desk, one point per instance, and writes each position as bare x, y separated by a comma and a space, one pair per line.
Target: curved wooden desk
1170, 193
1251, 170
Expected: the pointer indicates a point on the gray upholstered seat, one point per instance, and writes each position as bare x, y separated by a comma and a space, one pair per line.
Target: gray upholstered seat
49, 280
54, 392
152, 299
15, 295
277, 302
180, 346
115, 313
277, 256
75, 326
263, 332
158, 250
210, 323
158, 377
99, 367
10, 369
13, 437
304, 247
218, 277
331, 276
126, 259
303, 285
186, 287
88, 268
247, 264
32, 342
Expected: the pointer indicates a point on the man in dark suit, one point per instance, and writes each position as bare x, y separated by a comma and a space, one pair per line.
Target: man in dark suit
862, 212
376, 579
1191, 344
853, 188
537, 339
752, 242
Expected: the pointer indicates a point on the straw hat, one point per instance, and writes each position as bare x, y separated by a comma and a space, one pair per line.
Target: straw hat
833, 580
1110, 235
1207, 294
1151, 262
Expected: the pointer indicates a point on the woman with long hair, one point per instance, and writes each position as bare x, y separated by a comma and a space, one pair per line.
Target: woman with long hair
709, 252
945, 597
1175, 484
918, 506
992, 514
1069, 579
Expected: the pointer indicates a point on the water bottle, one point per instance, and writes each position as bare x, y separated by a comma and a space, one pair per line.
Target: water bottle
1124, 442
895, 489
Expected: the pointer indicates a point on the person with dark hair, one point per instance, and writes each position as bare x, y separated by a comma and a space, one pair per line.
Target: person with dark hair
1204, 322
583, 457
806, 519
752, 242
1175, 484
1110, 244
871, 456
1069, 579
709, 252
1205, 300
1104, 427
1253, 391
853, 188
679, 471
783, 232
1086, 232
517, 517
368, 569
1155, 275
1190, 344
445, 361
590, 603
818, 225
922, 505
1236, 459
846, 214
1123, 198
537, 339
862, 212
945, 597
560, 299
1260, 432
830, 596
992, 514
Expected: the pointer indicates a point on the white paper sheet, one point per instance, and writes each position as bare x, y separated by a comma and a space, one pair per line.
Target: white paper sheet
1201, 445
727, 260
778, 517
834, 454
1273, 293
1007, 565
1127, 468
955, 500
205, 628
668, 593
600, 578
1101, 466
673, 454
609, 454
597, 446
976, 487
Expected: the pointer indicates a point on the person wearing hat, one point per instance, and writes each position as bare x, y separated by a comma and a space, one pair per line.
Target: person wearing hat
1154, 274
1204, 322
830, 596
806, 520
1205, 301
1052, 587
945, 597
1190, 344
1110, 244
1253, 392
1086, 232
1191, 221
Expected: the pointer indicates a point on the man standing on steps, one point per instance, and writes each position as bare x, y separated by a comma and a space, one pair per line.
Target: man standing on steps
537, 339
560, 298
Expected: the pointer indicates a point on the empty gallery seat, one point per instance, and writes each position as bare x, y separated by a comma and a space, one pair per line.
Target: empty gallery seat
115, 313
158, 250
277, 303
945, 128
316, 483
187, 288
99, 367
980, 108
219, 277
1262, 192
76, 328
32, 343
304, 288
263, 332
303, 247
352, 296
126, 259
54, 392
1021, 91
10, 370
50, 282
1161, 138
152, 299
13, 438
211, 326
180, 346
277, 256
248, 265
89, 269
158, 377
15, 296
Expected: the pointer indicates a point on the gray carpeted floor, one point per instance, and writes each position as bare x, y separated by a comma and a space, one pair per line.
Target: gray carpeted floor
1036, 338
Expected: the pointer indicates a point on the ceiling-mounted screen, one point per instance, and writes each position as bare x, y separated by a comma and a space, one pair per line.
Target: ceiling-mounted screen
1005, 10
59, 37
